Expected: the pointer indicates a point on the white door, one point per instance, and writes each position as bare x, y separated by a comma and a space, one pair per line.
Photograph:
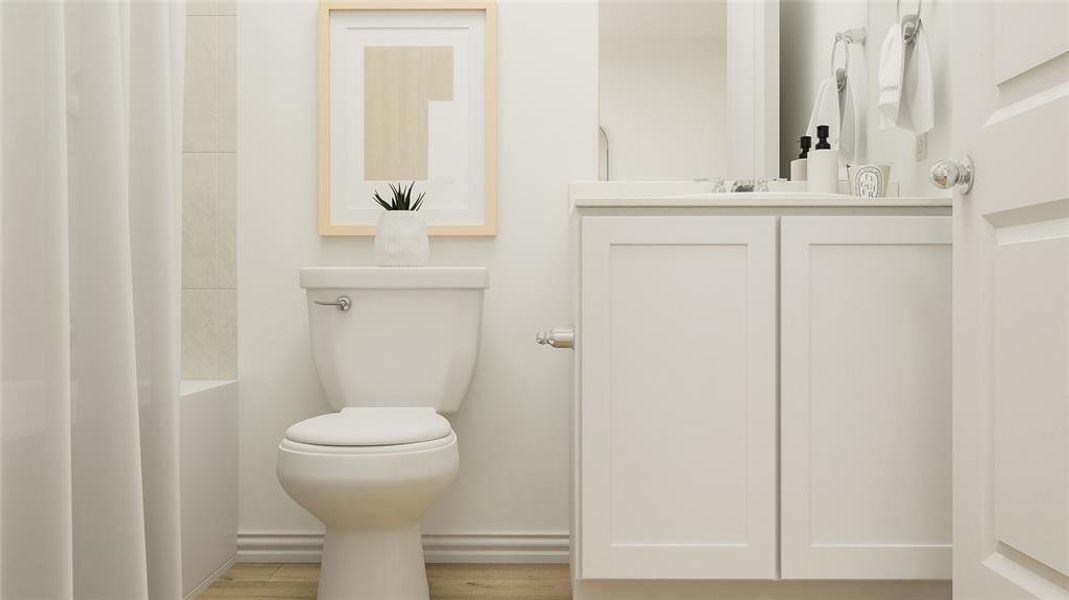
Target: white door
1010, 80
677, 428
865, 397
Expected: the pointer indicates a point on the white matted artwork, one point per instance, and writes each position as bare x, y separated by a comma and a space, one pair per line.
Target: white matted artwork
407, 95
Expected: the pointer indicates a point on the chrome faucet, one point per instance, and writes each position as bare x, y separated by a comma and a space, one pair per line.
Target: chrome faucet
718, 183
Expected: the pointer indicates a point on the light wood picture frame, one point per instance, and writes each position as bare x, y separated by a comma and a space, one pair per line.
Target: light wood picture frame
402, 87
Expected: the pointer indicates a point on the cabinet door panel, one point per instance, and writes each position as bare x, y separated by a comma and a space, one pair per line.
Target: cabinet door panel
677, 353
865, 398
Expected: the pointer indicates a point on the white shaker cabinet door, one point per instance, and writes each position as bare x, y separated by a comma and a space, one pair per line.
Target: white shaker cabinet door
677, 427
865, 397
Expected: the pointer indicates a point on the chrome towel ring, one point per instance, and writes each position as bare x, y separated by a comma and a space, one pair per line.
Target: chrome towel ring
850, 36
911, 23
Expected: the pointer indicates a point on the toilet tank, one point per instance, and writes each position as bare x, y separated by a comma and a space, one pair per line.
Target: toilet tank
409, 338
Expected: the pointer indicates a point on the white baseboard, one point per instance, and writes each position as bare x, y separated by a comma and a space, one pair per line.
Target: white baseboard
209, 580
302, 546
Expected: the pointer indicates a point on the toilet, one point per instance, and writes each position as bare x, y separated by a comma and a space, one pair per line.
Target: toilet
395, 349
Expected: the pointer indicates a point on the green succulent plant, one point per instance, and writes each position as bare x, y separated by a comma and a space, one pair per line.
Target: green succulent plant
402, 198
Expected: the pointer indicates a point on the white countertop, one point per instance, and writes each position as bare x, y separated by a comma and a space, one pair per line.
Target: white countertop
686, 194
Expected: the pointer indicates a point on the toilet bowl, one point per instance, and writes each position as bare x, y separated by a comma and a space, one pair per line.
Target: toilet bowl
371, 499
395, 354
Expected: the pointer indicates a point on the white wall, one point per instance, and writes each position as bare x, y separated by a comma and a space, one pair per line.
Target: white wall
663, 103
807, 32
514, 426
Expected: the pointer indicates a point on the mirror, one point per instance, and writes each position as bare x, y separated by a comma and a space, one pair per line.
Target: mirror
662, 89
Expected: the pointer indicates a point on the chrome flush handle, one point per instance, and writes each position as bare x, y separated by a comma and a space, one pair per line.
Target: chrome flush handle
557, 338
343, 303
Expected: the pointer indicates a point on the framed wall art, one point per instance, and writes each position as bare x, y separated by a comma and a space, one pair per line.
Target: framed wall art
407, 93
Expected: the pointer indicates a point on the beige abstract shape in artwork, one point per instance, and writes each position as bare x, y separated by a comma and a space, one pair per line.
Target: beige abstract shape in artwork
399, 82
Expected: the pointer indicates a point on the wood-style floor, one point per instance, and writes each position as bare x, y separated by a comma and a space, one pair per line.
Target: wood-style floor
297, 581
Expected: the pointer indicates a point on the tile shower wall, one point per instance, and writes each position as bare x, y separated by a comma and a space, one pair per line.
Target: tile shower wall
209, 193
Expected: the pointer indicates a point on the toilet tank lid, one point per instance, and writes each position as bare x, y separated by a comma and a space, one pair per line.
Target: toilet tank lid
371, 426
395, 277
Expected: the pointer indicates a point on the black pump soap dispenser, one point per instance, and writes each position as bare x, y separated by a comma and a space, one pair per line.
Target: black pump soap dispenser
822, 133
799, 168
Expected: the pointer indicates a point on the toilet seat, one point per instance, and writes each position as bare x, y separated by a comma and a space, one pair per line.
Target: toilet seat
293, 447
371, 427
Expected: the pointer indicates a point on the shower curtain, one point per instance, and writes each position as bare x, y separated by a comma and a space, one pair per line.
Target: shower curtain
90, 112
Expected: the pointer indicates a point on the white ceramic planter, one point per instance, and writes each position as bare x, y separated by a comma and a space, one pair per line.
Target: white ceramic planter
401, 239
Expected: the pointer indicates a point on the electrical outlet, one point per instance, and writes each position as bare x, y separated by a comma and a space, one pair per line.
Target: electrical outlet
920, 147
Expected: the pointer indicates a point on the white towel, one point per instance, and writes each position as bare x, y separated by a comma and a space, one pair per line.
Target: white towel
918, 114
906, 91
892, 65
826, 112
836, 110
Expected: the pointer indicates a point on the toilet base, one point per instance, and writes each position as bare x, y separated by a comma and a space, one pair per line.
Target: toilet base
373, 565
372, 500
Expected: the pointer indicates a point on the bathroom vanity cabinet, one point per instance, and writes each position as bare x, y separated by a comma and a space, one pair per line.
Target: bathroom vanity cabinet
763, 387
